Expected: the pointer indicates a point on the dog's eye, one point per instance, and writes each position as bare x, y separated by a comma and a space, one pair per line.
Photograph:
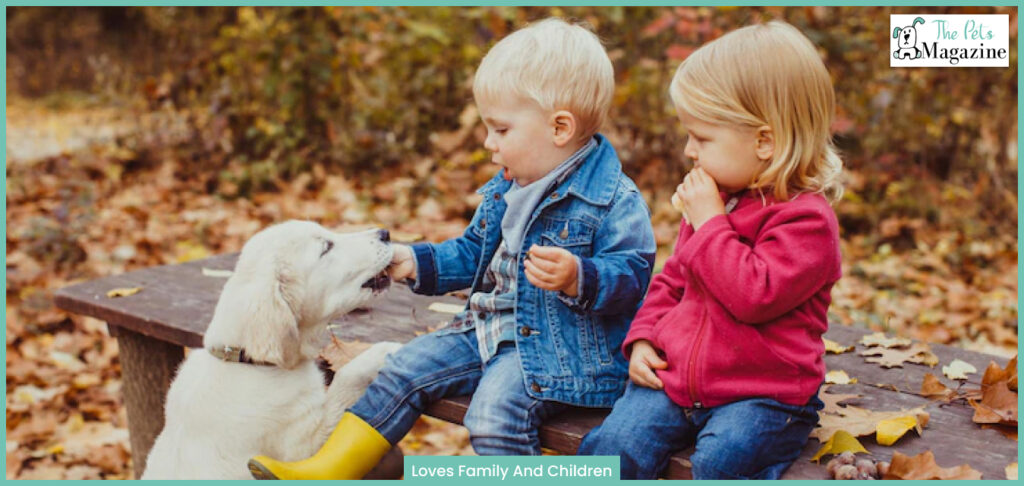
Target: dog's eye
328, 244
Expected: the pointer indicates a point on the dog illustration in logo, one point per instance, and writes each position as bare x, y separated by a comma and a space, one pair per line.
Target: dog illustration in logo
907, 40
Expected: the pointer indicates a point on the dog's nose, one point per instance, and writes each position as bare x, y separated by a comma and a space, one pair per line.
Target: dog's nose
384, 235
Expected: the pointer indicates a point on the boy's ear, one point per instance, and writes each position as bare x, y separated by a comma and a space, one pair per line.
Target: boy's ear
765, 143
563, 127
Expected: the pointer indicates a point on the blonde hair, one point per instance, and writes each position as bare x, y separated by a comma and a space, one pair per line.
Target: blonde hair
560, 66
770, 75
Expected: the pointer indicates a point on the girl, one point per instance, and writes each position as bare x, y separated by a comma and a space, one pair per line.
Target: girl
726, 352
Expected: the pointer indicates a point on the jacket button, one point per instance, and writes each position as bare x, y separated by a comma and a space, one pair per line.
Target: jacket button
483, 224
524, 331
481, 315
535, 387
497, 197
554, 195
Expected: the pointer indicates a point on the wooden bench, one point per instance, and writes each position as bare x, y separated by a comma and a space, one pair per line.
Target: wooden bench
176, 303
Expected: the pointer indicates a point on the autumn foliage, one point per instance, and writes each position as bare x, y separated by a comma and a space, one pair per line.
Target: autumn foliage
182, 131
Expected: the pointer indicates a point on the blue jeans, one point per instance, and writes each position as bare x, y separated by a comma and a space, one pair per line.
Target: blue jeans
756, 438
502, 418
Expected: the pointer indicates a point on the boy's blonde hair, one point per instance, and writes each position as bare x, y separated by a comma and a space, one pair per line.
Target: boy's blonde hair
770, 75
560, 66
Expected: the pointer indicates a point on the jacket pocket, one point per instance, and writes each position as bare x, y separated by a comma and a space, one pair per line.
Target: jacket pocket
575, 235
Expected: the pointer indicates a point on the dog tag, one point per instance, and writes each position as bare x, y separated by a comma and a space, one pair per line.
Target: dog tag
565, 231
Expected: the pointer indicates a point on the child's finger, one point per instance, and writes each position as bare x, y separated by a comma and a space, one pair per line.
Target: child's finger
645, 377
549, 253
536, 282
654, 361
535, 275
548, 266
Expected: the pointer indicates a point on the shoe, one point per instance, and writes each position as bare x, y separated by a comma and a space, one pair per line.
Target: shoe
352, 450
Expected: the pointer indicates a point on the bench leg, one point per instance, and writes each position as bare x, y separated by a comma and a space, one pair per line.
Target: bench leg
147, 368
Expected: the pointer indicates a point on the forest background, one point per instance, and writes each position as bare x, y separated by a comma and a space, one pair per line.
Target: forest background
148, 136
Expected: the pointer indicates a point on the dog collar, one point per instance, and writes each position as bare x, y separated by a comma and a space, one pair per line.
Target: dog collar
235, 354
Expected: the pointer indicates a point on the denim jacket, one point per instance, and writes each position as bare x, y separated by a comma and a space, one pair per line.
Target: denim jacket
568, 346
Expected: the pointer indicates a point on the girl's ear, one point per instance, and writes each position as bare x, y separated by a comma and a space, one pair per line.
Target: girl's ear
563, 127
765, 143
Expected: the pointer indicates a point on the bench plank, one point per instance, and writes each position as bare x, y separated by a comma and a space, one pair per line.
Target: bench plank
177, 301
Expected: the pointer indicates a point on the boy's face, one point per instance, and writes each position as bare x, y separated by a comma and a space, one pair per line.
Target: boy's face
727, 153
520, 136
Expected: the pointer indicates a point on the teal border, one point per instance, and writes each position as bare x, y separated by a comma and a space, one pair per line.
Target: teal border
155, 3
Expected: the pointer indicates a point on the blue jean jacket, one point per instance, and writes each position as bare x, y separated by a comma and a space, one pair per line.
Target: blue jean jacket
568, 347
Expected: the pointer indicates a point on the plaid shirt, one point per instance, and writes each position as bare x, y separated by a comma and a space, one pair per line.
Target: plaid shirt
492, 312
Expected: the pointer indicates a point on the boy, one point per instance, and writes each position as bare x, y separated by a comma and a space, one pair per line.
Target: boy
558, 256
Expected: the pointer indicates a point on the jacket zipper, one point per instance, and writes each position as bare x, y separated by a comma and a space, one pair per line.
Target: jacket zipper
693, 360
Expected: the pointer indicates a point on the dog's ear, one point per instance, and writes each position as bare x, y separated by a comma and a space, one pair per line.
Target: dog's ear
278, 324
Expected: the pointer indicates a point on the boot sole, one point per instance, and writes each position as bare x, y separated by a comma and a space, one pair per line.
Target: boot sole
259, 471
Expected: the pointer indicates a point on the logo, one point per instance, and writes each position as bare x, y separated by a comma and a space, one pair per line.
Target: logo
950, 41
907, 41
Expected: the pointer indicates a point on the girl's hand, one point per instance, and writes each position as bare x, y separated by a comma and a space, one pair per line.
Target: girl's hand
700, 197
552, 268
643, 360
402, 265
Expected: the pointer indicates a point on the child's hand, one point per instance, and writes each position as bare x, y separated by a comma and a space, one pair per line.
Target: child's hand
643, 360
700, 197
552, 268
402, 265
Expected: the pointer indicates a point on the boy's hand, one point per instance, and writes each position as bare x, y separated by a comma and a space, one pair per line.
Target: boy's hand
402, 265
700, 197
552, 268
643, 360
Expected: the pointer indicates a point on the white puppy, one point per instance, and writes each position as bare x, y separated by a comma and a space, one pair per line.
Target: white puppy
254, 388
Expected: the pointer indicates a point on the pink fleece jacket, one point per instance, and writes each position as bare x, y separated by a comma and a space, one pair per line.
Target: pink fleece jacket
739, 309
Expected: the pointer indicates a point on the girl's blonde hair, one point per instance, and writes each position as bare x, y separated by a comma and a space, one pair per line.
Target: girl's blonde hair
559, 65
770, 75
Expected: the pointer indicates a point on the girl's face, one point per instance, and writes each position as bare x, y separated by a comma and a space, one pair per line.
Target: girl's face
728, 153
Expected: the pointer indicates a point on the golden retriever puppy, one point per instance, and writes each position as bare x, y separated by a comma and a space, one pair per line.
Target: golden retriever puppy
254, 388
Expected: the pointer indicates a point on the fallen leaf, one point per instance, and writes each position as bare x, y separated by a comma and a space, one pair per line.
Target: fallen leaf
839, 377
889, 431
861, 421
931, 387
919, 353
840, 442
958, 370
923, 466
190, 250
1011, 471
998, 405
445, 308
123, 292
880, 339
834, 347
338, 353
209, 272
405, 237
994, 374
832, 400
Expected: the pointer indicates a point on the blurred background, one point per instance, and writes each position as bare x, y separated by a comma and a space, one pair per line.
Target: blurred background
145, 136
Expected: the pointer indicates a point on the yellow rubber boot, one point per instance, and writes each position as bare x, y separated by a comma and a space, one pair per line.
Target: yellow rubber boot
352, 450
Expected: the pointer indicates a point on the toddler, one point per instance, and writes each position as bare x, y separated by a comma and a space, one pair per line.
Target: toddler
558, 257
726, 351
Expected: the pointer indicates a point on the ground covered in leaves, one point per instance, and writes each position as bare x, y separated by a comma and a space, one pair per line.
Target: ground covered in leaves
118, 204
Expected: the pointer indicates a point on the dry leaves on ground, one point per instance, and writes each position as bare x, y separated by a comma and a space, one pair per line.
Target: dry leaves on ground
887, 357
923, 466
998, 404
861, 421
